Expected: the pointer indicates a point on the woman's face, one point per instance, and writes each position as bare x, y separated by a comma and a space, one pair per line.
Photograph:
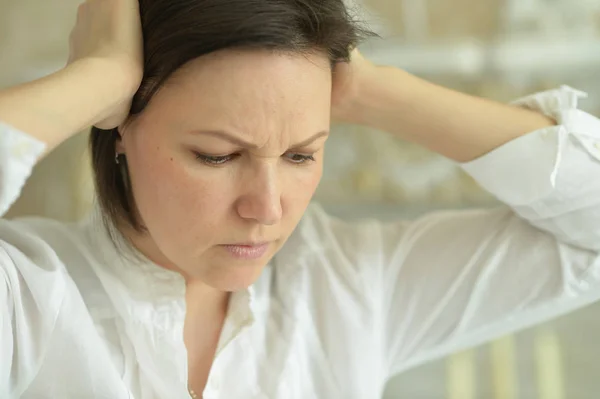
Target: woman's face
225, 159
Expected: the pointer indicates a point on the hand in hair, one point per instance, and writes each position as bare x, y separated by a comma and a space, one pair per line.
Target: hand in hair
348, 78
110, 30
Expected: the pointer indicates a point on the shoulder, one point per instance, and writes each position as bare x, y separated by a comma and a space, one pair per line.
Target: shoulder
60, 254
44, 242
33, 286
322, 281
333, 239
320, 229
30, 262
40, 290
30, 242
45, 260
327, 253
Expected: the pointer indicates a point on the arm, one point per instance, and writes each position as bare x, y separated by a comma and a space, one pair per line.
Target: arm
453, 280
521, 153
37, 116
32, 290
445, 121
96, 87
103, 73
56, 107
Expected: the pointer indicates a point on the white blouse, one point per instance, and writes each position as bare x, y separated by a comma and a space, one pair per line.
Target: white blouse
341, 308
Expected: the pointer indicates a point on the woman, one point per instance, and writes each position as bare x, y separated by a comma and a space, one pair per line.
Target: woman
207, 151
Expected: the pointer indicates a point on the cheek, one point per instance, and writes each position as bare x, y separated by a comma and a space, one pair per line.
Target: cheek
300, 190
314, 178
312, 182
168, 194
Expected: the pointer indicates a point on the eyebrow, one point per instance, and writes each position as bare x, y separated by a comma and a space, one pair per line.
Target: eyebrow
223, 135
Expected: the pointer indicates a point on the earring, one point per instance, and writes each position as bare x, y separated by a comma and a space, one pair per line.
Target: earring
123, 173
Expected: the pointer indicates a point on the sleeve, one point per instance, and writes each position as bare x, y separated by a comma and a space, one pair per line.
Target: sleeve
32, 289
6, 336
26, 314
453, 280
18, 155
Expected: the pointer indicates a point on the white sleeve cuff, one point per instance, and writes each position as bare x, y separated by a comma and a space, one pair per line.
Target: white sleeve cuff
525, 170
19, 153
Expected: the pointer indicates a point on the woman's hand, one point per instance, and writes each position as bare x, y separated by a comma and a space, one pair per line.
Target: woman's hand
96, 87
109, 32
348, 81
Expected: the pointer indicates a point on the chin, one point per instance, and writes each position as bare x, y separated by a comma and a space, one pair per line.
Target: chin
233, 278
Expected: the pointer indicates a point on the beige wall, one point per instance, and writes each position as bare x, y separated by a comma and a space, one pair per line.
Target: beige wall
447, 19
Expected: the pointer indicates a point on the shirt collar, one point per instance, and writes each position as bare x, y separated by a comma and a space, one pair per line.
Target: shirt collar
120, 262
144, 281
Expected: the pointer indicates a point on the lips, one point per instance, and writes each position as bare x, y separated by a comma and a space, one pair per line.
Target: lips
247, 251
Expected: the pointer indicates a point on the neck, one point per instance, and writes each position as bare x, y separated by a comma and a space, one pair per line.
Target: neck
201, 298
145, 245
204, 301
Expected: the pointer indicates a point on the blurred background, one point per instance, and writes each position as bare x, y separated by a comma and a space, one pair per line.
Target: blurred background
500, 49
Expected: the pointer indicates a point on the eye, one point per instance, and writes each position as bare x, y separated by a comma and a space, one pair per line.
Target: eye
214, 160
299, 158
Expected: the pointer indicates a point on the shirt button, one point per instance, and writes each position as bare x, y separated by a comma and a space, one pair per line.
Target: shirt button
597, 145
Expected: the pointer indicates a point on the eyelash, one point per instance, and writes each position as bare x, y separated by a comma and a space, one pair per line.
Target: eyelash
210, 160
301, 158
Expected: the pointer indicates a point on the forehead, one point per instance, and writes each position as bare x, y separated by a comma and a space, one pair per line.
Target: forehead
249, 91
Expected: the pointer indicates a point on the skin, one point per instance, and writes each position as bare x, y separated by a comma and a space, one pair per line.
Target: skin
191, 207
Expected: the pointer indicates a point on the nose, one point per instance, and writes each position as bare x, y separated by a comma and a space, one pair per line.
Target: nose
261, 201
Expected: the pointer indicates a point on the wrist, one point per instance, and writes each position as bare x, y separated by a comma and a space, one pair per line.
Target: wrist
112, 82
109, 85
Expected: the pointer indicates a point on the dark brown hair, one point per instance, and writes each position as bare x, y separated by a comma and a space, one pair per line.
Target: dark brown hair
179, 31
